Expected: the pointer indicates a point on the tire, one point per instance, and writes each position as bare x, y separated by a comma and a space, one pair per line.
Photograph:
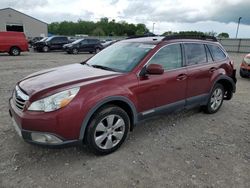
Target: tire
242, 74
75, 51
97, 50
45, 49
14, 51
215, 99
102, 136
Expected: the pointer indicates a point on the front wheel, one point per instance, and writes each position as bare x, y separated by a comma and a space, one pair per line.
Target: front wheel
97, 50
215, 99
107, 130
242, 74
45, 49
74, 51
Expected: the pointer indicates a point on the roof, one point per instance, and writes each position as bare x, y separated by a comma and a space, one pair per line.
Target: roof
157, 39
8, 8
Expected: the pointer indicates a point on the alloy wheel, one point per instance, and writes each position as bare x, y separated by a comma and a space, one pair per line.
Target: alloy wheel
216, 99
109, 131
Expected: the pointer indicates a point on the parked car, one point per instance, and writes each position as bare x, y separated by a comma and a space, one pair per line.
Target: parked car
100, 100
107, 42
34, 40
83, 45
245, 67
51, 43
13, 43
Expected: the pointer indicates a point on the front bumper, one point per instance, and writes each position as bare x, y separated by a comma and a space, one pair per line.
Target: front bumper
38, 135
245, 72
28, 136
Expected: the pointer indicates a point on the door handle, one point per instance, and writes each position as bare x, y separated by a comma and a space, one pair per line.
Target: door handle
212, 69
181, 77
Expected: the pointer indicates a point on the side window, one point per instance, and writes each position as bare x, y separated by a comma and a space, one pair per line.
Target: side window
170, 57
84, 42
217, 53
195, 53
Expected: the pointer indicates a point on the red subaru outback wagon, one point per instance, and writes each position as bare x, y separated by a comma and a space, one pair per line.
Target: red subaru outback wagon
98, 101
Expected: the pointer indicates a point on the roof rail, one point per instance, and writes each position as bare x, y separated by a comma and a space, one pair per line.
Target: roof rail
199, 37
141, 36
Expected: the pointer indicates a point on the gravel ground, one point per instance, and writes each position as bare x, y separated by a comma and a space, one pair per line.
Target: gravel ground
186, 149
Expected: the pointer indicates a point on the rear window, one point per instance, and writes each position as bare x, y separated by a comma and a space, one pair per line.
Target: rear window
195, 53
217, 53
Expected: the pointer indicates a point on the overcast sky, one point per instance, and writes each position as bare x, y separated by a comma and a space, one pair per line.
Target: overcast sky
174, 15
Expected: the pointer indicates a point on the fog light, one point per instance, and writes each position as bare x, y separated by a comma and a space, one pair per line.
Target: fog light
45, 138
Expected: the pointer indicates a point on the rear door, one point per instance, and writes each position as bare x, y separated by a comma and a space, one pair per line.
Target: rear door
84, 45
200, 69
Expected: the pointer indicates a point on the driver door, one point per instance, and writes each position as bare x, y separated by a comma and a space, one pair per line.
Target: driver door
168, 90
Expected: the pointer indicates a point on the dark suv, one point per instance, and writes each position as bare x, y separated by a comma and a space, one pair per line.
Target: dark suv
51, 43
98, 101
83, 45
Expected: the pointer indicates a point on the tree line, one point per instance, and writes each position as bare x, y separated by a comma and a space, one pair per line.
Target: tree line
103, 27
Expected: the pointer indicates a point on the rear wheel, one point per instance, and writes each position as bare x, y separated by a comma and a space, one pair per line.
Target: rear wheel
107, 130
14, 51
215, 99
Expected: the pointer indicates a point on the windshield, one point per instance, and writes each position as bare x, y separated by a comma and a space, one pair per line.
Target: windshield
77, 41
121, 57
43, 39
49, 38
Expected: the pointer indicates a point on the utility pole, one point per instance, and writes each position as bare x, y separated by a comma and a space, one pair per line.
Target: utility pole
238, 27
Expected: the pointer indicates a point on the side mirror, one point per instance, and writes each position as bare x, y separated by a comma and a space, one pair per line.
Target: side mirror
154, 69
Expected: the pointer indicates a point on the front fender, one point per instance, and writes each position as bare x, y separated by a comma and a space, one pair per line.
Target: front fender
99, 104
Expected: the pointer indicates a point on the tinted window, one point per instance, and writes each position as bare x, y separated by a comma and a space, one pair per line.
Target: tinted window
93, 41
217, 53
195, 53
170, 57
84, 42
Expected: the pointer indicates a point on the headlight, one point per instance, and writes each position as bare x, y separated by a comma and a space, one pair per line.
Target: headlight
54, 102
247, 60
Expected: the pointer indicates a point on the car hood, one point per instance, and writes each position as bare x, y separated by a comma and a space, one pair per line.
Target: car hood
62, 77
39, 43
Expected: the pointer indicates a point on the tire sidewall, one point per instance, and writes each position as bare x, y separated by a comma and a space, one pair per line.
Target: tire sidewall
45, 49
74, 51
94, 122
209, 109
13, 49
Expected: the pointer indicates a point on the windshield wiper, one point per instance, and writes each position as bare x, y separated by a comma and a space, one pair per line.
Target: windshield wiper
103, 67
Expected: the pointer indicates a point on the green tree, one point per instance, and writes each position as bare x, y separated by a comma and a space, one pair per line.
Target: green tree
223, 35
98, 32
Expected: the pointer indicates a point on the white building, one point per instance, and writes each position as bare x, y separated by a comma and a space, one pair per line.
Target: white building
13, 20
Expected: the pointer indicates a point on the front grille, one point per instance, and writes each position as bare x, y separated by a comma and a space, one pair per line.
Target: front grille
19, 98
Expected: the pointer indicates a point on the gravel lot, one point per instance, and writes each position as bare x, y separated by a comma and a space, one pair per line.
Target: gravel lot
186, 149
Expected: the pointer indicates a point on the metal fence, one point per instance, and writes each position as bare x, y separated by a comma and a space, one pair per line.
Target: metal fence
236, 45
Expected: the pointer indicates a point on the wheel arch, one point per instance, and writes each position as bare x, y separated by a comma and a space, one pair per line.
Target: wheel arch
228, 84
15, 46
120, 101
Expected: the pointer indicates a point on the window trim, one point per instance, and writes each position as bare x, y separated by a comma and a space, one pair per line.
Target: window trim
182, 54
